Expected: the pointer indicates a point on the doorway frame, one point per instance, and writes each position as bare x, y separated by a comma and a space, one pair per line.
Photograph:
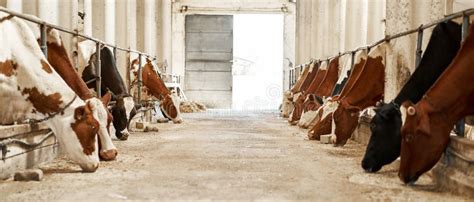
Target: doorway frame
188, 7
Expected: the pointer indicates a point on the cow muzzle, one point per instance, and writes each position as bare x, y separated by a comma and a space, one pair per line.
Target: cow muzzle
108, 155
90, 167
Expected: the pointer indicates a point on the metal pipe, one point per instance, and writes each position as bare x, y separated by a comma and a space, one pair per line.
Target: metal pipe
98, 80
115, 54
419, 50
43, 40
42, 22
460, 127
139, 82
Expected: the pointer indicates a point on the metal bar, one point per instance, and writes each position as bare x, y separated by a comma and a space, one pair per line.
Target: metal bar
419, 50
42, 22
98, 81
465, 32
43, 40
139, 82
115, 54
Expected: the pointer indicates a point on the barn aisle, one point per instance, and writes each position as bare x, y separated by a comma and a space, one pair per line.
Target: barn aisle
223, 155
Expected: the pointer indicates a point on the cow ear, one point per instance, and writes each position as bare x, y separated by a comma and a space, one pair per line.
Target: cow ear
79, 113
106, 98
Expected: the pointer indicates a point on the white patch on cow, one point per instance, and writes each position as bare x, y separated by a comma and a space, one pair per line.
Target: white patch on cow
345, 66
328, 108
403, 111
100, 114
129, 104
312, 65
176, 102
379, 51
85, 50
19, 45
286, 106
307, 118
296, 96
324, 65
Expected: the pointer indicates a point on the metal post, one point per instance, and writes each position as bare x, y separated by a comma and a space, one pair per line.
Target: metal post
465, 32
98, 81
419, 51
115, 54
44, 46
139, 82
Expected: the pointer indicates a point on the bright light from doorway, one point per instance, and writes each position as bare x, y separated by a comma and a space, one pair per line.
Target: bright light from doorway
258, 61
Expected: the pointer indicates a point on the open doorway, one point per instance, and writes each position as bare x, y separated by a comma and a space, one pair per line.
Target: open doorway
258, 61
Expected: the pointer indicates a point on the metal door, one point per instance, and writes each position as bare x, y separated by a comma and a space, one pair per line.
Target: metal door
208, 71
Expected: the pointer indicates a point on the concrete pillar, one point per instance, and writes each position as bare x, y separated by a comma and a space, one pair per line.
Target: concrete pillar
16, 5
402, 15
125, 33
103, 14
30, 7
48, 11
166, 50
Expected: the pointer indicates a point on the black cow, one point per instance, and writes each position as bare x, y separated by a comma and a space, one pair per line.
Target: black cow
384, 143
124, 109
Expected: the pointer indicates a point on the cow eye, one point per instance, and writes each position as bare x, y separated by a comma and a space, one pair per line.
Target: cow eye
372, 126
409, 138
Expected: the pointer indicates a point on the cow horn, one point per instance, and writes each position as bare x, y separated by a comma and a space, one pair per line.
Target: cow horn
411, 111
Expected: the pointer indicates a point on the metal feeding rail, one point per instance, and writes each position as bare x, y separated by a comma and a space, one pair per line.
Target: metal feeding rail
465, 14
99, 44
465, 28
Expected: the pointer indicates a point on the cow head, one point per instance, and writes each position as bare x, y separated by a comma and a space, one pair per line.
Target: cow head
169, 105
323, 125
384, 143
123, 111
298, 101
422, 142
345, 120
80, 144
287, 104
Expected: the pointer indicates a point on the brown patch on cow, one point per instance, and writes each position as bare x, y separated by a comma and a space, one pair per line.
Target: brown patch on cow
45, 104
86, 128
46, 66
8, 68
6, 18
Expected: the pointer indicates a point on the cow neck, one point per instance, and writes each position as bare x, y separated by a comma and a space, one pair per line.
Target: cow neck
368, 87
111, 78
153, 82
313, 70
59, 60
440, 52
330, 79
458, 102
353, 77
296, 88
318, 78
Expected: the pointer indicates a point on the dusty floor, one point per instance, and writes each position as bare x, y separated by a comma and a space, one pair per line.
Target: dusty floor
224, 155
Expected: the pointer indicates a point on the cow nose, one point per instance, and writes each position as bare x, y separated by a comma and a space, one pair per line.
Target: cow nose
90, 167
108, 155
408, 179
177, 121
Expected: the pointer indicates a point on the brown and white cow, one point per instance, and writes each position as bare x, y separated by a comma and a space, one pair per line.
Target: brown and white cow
322, 123
315, 99
365, 91
59, 60
31, 89
425, 134
124, 108
299, 96
169, 102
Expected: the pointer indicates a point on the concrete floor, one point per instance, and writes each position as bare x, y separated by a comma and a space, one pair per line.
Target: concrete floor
224, 155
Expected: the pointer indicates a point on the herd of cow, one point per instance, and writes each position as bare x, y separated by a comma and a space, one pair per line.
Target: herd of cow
329, 96
36, 88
